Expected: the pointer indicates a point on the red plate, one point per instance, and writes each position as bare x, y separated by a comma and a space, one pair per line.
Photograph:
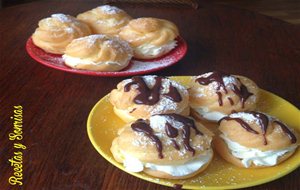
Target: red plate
136, 66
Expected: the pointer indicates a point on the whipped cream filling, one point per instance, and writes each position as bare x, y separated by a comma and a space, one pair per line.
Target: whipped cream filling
75, 61
209, 115
152, 50
256, 156
132, 164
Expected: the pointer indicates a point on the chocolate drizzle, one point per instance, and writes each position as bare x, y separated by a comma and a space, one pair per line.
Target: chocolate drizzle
220, 100
187, 124
243, 93
230, 101
173, 94
150, 96
287, 131
143, 126
241, 122
172, 132
263, 122
185, 120
217, 77
146, 96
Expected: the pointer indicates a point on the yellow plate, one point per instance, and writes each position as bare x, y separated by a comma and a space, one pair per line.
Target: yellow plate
103, 124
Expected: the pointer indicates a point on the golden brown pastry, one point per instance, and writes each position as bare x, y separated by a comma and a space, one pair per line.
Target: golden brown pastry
143, 96
166, 146
150, 37
254, 139
105, 19
214, 95
98, 53
56, 32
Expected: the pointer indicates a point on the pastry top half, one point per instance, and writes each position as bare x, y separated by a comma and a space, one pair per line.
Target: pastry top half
105, 19
143, 96
166, 145
98, 53
254, 139
150, 37
56, 32
167, 139
257, 130
214, 95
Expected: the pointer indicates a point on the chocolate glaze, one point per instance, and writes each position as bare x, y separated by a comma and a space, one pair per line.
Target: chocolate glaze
263, 121
187, 124
146, 96
132, 110
243, 93
287, 131
214, 77
230, 101
176, 146
217, 77
220, 100
241, 122
171, 131
184, 120
142, 126
150, 96
173, 94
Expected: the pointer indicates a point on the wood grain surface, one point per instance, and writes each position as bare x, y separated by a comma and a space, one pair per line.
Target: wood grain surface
56, 104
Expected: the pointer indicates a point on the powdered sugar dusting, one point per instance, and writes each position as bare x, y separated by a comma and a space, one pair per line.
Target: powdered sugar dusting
113, 42
148, 65
69, 30
62, 17
229, 82
110, 9
248, 117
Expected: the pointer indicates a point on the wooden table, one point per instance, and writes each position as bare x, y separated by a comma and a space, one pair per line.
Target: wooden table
56, 104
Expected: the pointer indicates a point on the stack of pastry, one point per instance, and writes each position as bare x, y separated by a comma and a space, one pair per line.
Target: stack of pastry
148, 37
162, 140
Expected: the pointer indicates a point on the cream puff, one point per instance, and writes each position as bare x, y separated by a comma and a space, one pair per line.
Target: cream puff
214, 95
165, 145
56, 32
150, 37
254, 139
105, 19
143, 96
98, 53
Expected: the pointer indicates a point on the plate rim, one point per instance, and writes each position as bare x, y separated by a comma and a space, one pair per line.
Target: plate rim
183, 46
151, 179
